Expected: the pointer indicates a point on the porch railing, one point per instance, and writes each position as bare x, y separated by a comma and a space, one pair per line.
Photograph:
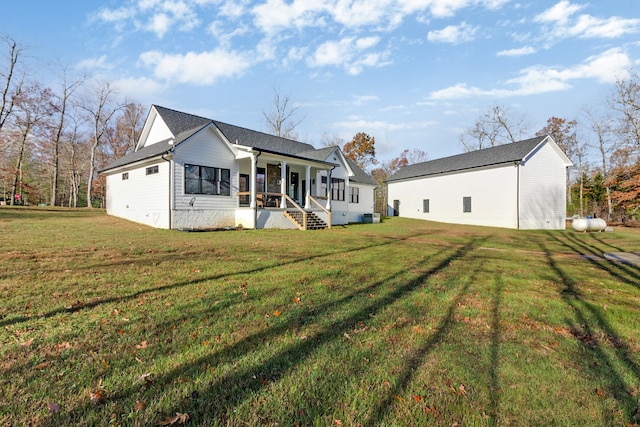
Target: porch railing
313, 201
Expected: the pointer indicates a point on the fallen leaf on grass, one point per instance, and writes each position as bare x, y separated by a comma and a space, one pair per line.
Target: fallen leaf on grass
64, 345
27, 343
178, 419
599, 392
417, 398
144, 377
54, 407
462, 390
296, 300
42, 365
140, 406
97, 397
277, 313
142, 345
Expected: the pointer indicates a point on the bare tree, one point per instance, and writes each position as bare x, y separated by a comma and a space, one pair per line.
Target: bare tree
10, 88
61, 106
122, 138
33, 107
496, 126
100, 107
606, 144
327, 140
282, 119
625, 100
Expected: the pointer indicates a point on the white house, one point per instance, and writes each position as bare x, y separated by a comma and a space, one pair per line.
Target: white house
190, 172
520, 185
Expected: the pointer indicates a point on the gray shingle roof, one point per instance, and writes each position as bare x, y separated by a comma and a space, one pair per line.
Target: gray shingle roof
183, 125
360, 176
501, 154
142, 154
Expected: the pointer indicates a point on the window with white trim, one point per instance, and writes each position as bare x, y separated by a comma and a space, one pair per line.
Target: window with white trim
151, 170
466, 204
354, 195
337, 188
207, 180
425, 206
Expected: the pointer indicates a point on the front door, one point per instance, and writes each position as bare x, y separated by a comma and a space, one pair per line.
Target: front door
293, 186
244, 188
396, 208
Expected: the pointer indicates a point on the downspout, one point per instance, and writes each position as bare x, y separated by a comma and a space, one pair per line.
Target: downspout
255, 187
170, 187
517, 163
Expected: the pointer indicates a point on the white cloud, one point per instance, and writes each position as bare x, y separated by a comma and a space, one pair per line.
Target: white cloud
360, 12
202, 68
99, 63
275, 15
453, 34
559, 13
159, 24
564, 24
604, 68
349, 53
139, 88
526, 50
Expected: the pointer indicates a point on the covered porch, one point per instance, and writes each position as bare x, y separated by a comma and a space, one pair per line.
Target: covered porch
275, 191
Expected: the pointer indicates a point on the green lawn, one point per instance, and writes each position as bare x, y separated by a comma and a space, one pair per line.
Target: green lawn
107, 322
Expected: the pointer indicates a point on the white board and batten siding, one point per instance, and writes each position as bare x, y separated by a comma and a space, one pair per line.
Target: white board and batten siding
201, 211
543, 190
493, 194
141, 197
159, 131
365, 203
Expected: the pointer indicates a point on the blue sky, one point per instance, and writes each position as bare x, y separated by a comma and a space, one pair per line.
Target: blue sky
411, 73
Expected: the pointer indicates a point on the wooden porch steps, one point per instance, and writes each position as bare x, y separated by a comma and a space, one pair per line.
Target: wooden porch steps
314, 222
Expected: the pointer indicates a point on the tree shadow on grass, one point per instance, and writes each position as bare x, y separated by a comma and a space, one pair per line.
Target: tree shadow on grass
231, 390
605, 352
135, 295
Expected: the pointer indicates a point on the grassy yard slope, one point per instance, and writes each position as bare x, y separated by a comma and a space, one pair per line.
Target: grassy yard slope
107, 322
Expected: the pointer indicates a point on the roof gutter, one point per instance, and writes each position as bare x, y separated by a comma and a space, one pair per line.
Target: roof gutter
171, 190
255, 191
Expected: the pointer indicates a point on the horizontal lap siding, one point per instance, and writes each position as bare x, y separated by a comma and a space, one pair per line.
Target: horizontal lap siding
204, 149
141, 198
543, 190
493, 193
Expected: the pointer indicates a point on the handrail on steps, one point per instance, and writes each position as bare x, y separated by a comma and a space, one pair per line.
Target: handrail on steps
328, 212
290, 202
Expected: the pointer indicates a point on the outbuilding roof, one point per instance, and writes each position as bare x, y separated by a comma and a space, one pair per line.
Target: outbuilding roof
501, 154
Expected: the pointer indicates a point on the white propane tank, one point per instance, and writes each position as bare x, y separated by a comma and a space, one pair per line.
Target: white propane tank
589, 224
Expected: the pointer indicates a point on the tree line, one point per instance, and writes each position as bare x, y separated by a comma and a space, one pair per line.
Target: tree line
54, 139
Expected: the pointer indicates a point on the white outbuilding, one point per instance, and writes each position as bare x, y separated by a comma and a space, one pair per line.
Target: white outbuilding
520, 185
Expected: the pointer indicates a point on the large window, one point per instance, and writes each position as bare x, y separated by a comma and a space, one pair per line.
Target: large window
337, 188
354, 195
207, 180
466, 204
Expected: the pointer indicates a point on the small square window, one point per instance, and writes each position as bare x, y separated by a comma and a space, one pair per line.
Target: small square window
466, 204
125, 176
152, 170
425, 206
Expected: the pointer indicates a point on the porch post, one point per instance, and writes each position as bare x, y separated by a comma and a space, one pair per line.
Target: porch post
283, 184
252, 181
329, 190
307, 188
